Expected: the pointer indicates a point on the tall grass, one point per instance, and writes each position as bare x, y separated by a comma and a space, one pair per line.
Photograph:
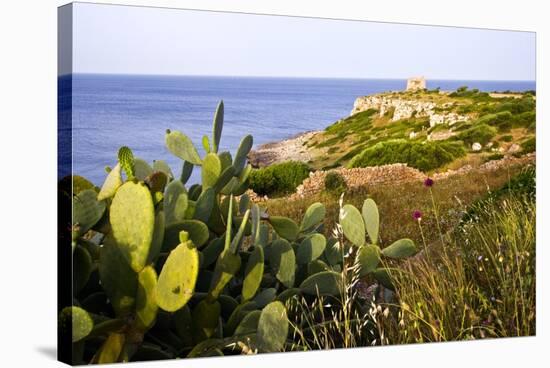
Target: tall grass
479, 284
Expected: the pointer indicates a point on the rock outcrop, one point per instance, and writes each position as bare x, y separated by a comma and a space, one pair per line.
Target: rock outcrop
404, 109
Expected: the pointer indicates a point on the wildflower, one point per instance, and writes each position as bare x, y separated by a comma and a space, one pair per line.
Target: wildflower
417, 215
428, 182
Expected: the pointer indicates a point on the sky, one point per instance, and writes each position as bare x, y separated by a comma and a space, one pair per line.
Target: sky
140, 40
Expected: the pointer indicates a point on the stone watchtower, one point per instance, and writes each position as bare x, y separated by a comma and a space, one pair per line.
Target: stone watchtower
416, 83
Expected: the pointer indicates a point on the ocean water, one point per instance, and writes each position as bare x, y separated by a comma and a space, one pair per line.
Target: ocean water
109, 111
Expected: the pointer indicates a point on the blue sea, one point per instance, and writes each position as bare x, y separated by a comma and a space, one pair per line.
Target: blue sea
109, 111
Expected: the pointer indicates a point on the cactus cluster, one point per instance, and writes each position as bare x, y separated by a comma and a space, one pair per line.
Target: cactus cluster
164, 270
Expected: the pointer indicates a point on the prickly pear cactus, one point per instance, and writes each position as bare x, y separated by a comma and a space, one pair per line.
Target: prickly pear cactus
132, 217
126, 160
178, 277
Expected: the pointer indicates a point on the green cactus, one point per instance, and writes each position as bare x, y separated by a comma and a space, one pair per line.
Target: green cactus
82, 268
372, 219
205, 319
352, 224
272, 327
142, 169
242, 152
238, 315
206, 144
126, 160
117, 278
283, 262
311, 248
146, 304
402, 248
211, 170
212, 251
313, 216
253, 273
133, 234
175, 202
217, 127
186, 171
284, 227
176, 283
87, 211
205, 204
111, 349
77, 322
111, 184
249, 324
317, 266
368, 258
198, 233
227, 266
323, 283
181, 146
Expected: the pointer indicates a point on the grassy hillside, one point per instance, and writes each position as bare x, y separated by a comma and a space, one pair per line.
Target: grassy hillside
498, 122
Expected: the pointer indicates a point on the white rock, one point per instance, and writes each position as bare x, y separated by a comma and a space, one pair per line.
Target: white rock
476, 146
412, 135
514, 148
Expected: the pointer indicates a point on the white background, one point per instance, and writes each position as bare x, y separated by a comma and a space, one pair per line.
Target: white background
28, 76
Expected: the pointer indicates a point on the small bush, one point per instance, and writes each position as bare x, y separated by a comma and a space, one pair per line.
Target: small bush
278, 179
494, 157
335, 183
529, 145
502, 120
481, 133
507, 138
423, 156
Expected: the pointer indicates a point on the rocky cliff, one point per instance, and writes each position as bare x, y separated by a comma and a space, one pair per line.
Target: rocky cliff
407, 108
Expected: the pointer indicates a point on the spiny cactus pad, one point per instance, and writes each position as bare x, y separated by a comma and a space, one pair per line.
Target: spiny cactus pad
313, 216
311, 248
382, 275
146, 305
111, 184
132, 217
111, 349
82, 267
205, 319
249, 324
162, 166
283, 262
372, 219
253, 273
158, 237
211, 170
126, 160
323, 283
178, 277
175, 202
272, 327
205, 204
368, 258
186, 171
352, 224
117, 278
217, 127
198, 233
142, 169
242, 152
181, 146
87, 210
227, 266
78, 320
402, 248
285, 227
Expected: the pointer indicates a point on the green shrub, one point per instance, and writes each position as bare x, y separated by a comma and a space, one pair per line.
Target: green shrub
507, 138
423, 156
279, 179
529, 145
481, 133
502, 120
335, 183
494, 156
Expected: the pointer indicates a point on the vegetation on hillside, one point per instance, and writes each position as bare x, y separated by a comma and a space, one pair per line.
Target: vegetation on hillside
278, 179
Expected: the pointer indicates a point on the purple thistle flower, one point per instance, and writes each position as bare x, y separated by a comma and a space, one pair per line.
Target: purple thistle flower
417, 215
428, 182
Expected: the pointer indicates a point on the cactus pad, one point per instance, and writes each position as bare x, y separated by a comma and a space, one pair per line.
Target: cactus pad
163, 167
283, 262
242, 152
217, 127
132, 217
198, 233
181, 146
402, 248
272, 327
205, 204
146, 305
175, 202
87, 211
352, 224
126, 160
178, 277
211, 170
142, 169
311, 248
285, 227
372, 219
368, 258
323, 283
253, 273
111, 184
205, 319
78, 320
313, 216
